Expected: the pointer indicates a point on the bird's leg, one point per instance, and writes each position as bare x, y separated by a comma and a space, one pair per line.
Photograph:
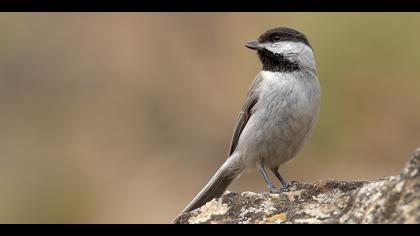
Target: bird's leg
284, 183
266, 179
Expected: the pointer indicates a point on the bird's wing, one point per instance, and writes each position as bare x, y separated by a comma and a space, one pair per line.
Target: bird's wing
246, 112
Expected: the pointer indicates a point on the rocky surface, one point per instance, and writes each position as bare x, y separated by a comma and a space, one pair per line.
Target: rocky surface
394, 199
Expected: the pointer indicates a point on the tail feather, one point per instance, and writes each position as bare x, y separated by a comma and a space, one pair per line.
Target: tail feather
214, 188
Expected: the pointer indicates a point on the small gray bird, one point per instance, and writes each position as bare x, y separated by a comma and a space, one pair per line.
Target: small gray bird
278, 116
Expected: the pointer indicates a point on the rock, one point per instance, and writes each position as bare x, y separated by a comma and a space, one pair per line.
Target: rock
394, 199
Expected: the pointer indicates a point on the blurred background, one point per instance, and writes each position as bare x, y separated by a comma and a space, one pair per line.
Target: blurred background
122, 118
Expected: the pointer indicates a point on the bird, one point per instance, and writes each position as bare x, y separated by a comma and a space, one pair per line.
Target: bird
278, 116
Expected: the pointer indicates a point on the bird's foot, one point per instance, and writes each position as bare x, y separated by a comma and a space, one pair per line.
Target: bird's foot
273, 190
285, 188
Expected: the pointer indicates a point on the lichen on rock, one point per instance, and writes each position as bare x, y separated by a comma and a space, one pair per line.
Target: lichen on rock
395, 199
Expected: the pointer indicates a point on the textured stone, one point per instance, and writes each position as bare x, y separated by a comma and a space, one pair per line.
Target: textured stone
394, 199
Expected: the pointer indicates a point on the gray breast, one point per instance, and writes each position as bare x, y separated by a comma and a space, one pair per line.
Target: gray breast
283, 118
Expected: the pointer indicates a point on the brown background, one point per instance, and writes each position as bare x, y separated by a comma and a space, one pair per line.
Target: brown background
122, 118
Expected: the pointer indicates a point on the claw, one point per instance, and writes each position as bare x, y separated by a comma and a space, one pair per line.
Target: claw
273, 190
287, 187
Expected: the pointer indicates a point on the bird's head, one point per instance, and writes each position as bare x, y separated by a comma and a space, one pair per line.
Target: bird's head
283, 49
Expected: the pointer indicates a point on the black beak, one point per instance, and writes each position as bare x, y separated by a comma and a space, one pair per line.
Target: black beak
254, 45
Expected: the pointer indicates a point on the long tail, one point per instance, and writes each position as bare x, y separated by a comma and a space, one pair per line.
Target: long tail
215, 187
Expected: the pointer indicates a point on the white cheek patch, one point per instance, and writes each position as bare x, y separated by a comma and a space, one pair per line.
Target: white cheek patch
294, 51
286, 47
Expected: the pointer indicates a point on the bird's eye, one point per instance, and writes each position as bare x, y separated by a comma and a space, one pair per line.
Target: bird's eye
276, 37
